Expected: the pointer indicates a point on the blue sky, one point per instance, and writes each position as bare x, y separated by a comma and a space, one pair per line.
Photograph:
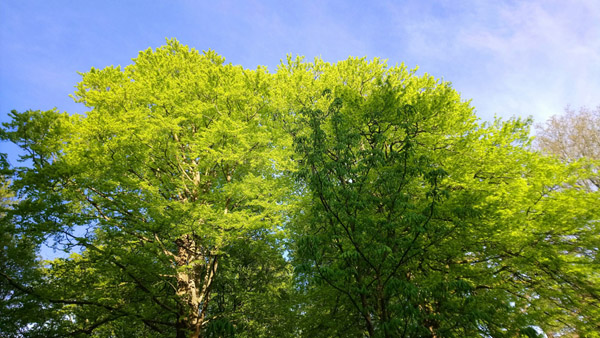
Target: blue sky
512, 58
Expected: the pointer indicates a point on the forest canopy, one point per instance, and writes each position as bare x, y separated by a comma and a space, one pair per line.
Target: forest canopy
352, 199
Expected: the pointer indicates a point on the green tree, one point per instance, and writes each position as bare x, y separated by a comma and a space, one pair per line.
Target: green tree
190, 188
177, 161
424, 222
574, 137
22, 312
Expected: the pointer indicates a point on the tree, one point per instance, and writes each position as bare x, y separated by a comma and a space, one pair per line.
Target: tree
177, 162
575, 137
423, 222
572, 136
190, 188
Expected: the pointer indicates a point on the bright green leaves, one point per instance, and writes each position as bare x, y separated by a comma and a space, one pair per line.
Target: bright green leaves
192, 186
178, 158
177, 126
369, 160
38, 133
409, 195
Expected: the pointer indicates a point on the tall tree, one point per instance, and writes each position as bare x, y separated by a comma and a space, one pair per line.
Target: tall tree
176, 161
424, 222
574, 137
407, 217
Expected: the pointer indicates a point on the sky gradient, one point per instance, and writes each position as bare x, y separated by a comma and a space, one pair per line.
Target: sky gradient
511, 58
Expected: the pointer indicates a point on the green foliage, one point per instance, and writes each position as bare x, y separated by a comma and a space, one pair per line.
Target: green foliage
177, 158
427, 223
198, 198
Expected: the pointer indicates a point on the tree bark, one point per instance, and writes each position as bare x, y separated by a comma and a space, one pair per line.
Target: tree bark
196, 269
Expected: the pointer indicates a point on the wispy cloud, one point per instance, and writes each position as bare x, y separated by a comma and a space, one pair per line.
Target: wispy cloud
539, 56
511, 57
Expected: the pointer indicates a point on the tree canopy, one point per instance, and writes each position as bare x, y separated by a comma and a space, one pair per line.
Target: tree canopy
573, 136
202, 199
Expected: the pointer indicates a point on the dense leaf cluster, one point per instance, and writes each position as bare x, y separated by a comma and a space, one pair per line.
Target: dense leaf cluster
202, 199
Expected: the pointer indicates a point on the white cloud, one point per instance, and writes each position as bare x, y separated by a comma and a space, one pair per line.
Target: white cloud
541, 56
511, 57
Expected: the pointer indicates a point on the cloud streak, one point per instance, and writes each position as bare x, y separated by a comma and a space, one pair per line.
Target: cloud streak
511, 57
539, 56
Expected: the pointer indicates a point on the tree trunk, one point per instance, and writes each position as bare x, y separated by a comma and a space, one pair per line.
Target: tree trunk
196, 269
